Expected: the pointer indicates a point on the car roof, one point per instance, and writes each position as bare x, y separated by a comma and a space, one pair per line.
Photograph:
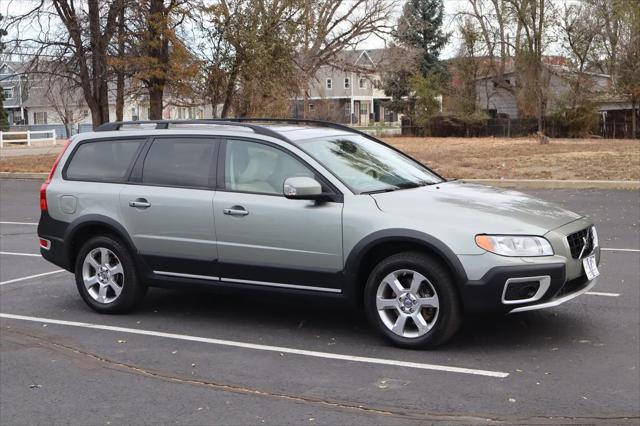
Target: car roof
286, 132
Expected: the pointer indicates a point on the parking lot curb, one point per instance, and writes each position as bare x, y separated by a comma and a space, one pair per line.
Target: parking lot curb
23, 175
558, 184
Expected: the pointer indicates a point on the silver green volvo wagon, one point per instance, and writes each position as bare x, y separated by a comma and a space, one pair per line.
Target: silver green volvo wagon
303, 207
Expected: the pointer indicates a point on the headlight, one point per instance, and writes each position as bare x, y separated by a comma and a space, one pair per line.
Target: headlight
515, 245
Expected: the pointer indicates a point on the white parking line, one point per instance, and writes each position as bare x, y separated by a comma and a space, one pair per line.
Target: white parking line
31, 276
599, 293
621, 249
12, 253
19, 223
278, 349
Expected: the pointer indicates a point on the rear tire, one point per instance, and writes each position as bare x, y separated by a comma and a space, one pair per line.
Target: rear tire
106, 276
411, 299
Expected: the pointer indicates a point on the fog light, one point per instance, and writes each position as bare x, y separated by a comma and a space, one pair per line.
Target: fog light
521, 290
525, 289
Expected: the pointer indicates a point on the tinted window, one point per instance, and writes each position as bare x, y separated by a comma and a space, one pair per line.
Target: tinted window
254, 167
179, 162
103, 160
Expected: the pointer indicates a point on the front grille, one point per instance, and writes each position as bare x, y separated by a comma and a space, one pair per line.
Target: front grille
577, 243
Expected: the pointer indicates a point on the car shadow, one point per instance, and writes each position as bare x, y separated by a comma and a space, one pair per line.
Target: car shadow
311, 317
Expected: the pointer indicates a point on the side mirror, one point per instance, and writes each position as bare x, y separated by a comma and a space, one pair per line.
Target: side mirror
303, 188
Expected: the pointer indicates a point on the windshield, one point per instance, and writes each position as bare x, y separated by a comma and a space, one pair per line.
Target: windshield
366, 166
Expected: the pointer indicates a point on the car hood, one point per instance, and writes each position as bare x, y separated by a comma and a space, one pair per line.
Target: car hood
482, 208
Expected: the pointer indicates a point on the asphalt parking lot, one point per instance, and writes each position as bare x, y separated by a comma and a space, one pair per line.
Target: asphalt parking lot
230, 358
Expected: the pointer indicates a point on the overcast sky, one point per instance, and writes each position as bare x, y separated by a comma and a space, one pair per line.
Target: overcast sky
452, 7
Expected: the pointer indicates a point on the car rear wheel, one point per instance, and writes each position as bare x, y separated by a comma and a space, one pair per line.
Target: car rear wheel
411, 299
106, 277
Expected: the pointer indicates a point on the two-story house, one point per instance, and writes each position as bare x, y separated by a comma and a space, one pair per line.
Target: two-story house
35, 101
13, 84
348, 93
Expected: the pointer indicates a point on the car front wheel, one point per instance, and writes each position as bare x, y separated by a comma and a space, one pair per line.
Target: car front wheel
411, 299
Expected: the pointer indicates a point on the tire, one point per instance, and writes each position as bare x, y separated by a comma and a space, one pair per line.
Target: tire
426, 298
109, 284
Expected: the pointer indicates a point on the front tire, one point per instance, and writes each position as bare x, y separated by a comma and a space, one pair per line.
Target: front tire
106, 276
411, 299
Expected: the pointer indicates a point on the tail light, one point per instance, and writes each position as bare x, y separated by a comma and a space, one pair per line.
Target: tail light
43, 187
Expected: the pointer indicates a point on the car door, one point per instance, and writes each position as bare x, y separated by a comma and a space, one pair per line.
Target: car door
265, 238
168, 206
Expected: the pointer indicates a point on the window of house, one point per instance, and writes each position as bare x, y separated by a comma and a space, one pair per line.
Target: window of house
347, 83
134, 114
347, 109
312, 107
179, 162
40, 117
363, 83
329, 84
363, 108
8, 93
186, 113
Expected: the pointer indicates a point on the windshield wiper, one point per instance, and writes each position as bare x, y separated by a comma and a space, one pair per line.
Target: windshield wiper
379, 191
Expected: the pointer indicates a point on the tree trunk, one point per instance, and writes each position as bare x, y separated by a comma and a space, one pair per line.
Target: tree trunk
634, 124
228, 94
120, 73
156, 92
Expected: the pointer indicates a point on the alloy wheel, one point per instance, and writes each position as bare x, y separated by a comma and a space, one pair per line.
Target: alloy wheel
103, 275
407, 303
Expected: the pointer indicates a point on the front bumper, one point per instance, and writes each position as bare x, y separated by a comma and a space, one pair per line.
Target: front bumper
588, 285
487, 293
563, 276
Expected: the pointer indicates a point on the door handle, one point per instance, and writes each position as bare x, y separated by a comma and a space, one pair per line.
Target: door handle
140, 203
235, 211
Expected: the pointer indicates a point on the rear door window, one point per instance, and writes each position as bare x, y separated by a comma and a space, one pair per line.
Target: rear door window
103, 161
184, 162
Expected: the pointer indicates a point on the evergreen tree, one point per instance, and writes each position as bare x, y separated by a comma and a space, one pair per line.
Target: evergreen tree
420, 27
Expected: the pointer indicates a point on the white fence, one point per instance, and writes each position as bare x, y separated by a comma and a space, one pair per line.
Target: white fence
27, 137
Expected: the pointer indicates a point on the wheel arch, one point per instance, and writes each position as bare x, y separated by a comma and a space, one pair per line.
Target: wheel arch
89, 226
378, 245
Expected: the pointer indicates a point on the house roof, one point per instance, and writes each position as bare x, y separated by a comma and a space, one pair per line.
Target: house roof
360, 58
14, 68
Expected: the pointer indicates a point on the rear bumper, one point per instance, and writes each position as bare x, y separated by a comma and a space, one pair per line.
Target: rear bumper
54, 230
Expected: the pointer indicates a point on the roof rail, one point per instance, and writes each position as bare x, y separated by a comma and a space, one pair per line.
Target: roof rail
318, 123
164, 124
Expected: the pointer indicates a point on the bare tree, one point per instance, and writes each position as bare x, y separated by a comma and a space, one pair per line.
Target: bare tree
328, 27
66, 100
76, 34
578, 31
494, 21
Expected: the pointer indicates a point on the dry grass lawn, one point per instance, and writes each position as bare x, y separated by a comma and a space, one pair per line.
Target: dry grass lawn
488, 158
524, 158
31, 163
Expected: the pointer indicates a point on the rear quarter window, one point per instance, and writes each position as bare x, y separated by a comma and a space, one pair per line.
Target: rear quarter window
105, 161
